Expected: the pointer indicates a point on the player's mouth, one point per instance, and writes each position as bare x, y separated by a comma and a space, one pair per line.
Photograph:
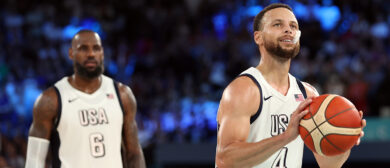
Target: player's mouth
287, 40
90, 63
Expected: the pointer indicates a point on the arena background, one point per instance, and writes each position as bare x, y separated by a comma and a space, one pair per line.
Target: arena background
179, 55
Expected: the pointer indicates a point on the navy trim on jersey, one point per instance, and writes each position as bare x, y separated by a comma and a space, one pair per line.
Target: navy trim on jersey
119, 96
123, 112
54, 137
59, 109
302, 88
55, 143
254, 117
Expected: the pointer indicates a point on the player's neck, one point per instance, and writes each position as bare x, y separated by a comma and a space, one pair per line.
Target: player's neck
275, 72
86, 85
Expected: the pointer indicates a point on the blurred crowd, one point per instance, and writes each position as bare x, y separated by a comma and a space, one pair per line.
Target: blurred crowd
178, 56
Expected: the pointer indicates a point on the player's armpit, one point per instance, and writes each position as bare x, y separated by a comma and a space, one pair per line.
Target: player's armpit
133, 151
44, 113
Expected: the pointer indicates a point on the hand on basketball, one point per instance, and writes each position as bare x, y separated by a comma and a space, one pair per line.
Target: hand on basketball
292, 128
363, 125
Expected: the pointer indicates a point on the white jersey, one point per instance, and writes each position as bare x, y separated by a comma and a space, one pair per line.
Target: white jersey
273, 117
89, 130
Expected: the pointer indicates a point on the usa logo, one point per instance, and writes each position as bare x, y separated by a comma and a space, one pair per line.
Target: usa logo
299, 97
110, 96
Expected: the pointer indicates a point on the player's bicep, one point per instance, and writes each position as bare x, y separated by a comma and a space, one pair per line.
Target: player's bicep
232, 129
239, 102
130, 129
44, 113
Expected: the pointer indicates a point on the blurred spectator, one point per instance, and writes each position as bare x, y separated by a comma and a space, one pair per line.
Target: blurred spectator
3, 163
383, 94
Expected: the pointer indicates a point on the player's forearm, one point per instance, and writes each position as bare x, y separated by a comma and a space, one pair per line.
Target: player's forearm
37, 149
135, 160
332, 161
242, 154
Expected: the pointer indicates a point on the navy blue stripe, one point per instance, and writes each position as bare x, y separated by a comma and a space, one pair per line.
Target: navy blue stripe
55, 141
302, 88
59, 109
119, 96
254, 117
123, 151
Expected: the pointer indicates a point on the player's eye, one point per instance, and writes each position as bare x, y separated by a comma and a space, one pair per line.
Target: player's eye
294, 26
83, 48
97, 48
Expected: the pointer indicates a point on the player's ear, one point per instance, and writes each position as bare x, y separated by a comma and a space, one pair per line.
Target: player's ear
258, 37
70, 52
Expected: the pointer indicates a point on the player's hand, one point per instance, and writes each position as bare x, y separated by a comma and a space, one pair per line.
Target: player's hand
293, 130
363, 125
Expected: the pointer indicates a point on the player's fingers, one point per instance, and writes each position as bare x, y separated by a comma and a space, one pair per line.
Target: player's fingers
303, 113
364, 123
361, 113
304, 104
360, 136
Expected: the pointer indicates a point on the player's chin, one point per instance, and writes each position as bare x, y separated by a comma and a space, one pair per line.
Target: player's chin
288, 46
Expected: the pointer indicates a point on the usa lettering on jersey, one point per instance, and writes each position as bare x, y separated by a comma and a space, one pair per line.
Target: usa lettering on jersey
93, 116
279, 124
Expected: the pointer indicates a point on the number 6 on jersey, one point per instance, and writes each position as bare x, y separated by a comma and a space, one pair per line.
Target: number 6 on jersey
97, 145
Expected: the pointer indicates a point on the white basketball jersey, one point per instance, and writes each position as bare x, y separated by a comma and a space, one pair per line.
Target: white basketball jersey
89, 130
273, 117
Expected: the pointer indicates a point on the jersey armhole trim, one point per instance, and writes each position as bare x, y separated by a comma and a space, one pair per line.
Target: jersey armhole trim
255, 116
118, 95
59, 109
302, 88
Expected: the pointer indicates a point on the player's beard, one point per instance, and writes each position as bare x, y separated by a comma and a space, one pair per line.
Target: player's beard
277, 50
89, 74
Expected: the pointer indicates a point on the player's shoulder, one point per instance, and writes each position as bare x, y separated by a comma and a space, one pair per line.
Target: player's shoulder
50, 94
310, 89
125, 92
242, 86
241, 93
47, 101
123, 88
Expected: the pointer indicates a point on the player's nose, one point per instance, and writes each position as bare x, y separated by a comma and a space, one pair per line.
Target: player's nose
287, 30
91, 53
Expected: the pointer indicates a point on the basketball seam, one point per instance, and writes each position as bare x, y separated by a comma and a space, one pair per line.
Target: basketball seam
335, 146
314, 121
337, 115
352, 108
317, 126
309, 132
326, 120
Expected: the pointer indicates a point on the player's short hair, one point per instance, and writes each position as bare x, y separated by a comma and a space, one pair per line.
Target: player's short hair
82, 31
257, 22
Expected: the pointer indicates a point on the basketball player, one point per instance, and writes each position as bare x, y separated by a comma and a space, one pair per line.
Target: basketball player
86, 118
260, 110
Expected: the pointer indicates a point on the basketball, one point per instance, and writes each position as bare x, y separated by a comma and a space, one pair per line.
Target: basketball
332, 125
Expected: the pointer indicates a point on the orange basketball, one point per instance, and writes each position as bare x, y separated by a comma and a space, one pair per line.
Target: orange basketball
332, 125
